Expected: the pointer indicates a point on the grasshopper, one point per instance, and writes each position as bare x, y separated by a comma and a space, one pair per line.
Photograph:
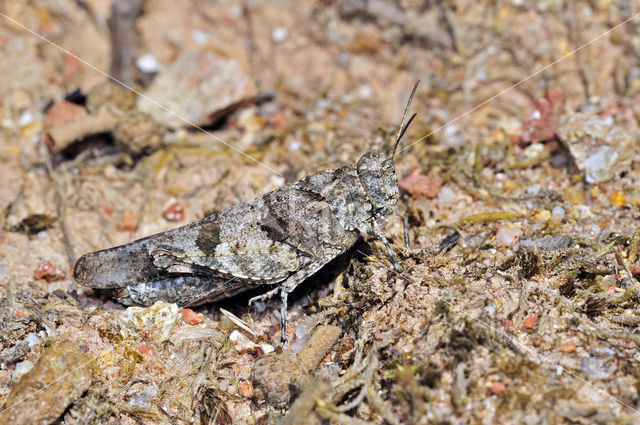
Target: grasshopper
278, 239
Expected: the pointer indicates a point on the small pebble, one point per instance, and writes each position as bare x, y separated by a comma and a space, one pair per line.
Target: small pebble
557, 215
156, 322
235, 336
490, 309
596, 166
547, 243
568, 346
508, 185
530, 322
246, 389
618, 199
226, 324
365, 91
141, 402
128, 222
508, 234
446, 195
294, 145
603, 351
47, 271
148, 63
453, 137
542, 215
420, 186
32, 339
25, 119
191, 317
173, 210
144, 348
279, 34
21, 368
266, 348
498, 387
6, 123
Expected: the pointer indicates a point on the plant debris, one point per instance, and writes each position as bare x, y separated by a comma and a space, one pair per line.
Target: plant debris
279, 377
34, 224
61, 375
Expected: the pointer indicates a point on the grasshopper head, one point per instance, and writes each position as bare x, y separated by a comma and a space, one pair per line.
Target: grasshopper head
378, 178
377, 173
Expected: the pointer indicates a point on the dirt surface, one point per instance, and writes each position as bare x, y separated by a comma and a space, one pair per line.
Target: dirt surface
518, 300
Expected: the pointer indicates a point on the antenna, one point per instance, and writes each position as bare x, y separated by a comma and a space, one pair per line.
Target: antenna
403, 127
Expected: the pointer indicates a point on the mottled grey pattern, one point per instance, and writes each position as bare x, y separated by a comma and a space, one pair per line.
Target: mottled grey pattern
266, 240
280, 238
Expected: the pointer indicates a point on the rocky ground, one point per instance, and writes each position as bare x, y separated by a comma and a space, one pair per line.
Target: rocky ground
518, 299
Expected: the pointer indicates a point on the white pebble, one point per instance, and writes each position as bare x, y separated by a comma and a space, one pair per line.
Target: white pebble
26, 118
21, 368
294, 145
557, 214
508, 234
365, 91
266, 348
200, 36
446, 195
148, 63
32, 339
490, 309
450, 130
279, 34
596, 163
235, 336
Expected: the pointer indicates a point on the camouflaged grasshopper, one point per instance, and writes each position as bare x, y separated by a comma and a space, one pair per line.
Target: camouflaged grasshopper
280, 238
